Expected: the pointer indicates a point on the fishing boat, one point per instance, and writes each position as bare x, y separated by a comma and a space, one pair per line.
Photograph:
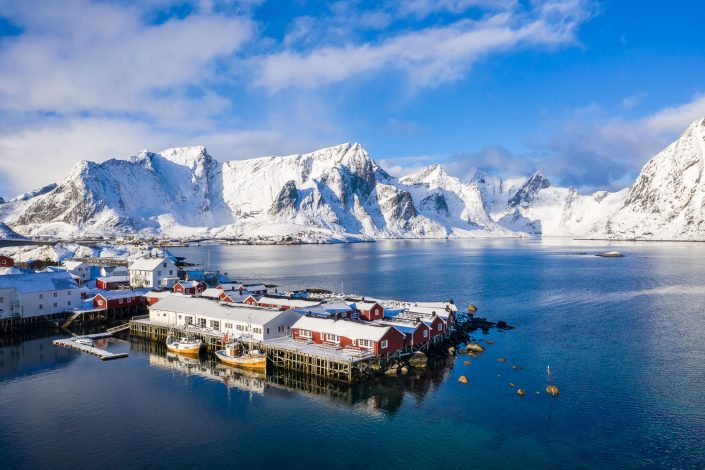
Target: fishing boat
85, 341
234, 356
183, 345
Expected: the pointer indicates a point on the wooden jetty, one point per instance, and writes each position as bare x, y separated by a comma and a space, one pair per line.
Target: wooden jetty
101, 353
286, 353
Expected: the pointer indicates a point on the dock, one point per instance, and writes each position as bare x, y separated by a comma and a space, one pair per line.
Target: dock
101, 353
285, 353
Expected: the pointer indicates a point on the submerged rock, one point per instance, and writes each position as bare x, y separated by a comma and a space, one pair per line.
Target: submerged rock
521, 392
467, 363
451, 351
462, 379
418, 360
501, 359
475, 347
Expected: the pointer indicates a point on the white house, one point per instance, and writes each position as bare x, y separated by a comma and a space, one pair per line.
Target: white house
235, 320
78, 268
38, 294
154, 273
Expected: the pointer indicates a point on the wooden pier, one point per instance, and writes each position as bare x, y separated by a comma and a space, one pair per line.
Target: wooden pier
101, 353
285, 353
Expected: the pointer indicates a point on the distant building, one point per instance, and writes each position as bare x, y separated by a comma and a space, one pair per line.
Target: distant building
119, 299
283, 303
38, 294
153, 273
78, 268
190, 287
112, 282
368, 310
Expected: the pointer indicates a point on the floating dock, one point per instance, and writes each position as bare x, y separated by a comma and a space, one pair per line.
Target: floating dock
101, 353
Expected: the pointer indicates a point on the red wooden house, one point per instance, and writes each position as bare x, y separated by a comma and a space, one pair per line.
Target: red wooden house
416, 334
112, 282
189, 287
349, 334
118, 299
6, 262
369, 310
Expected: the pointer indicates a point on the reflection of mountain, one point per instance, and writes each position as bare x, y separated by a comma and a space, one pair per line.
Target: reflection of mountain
20, 358
383, 396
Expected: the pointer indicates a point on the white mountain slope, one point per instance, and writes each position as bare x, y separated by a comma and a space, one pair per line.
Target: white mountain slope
337, 193
667, 202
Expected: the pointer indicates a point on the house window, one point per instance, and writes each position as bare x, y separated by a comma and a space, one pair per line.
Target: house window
120, 301
440, 327
41, 296
179, 317
68, 292
425, 333
332, 338
41, 306
164, 265
267, 330
215, 324
305, 333
55, 294
384, 344
69, 302
55, 305
229, 326
202, 322
171, 272
159, 273
257, 330
364, 343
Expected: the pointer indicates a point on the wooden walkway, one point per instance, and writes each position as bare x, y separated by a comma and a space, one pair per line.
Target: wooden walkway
101, 353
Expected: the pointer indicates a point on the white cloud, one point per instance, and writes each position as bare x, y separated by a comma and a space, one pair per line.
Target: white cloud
426, 57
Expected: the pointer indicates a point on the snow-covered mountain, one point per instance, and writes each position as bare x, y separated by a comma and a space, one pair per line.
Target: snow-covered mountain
341, 194
667, 202
337, 193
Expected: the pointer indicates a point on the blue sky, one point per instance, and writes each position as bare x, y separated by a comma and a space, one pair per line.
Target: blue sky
586, 91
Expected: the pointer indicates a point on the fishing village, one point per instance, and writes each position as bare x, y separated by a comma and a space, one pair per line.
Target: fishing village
157, 297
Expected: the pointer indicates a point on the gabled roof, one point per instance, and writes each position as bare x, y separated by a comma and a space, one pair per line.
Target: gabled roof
287, 301
38, 282
73, 264
203, 307
122, 294
348, 328
148, 264
189, 284
363, 304
437, 305
157, 294
114, 279
212, 293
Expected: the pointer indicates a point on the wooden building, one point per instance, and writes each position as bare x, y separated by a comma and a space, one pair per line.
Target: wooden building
350, 334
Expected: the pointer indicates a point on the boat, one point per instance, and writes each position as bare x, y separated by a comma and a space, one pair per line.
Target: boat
183, 345
234, 356
85, 341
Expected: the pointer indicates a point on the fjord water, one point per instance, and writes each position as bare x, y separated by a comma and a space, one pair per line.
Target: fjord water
625, 339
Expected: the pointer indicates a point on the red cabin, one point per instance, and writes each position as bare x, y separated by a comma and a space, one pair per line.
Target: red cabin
117, 299
189, 287
349, 334
370, 310
415, 334
112, 282
6, 262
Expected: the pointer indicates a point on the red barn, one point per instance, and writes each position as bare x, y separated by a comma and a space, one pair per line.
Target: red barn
349, 334
118, 299
6, 262
437, 327
189, 287
112, 282
369, 310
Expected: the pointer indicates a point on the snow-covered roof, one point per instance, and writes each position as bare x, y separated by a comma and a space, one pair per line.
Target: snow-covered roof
433, 306
38, 282
12, 270
404, 327
253, 287
114, 279
235, 296
73, 264
428, 311
222, 310
363, 305
336, 306
211, 293
288, 302
158, 294
122, 294
189, 284
348, 328
147, 264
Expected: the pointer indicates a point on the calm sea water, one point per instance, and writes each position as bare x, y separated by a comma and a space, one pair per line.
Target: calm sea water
625, 339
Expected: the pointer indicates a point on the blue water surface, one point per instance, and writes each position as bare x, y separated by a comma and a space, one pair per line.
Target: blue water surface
624, 338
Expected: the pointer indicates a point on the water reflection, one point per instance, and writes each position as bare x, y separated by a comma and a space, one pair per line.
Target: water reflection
381, 396
22, 355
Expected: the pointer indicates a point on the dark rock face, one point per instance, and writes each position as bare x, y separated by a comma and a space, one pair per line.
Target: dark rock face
525, 194
435, 202
287, 199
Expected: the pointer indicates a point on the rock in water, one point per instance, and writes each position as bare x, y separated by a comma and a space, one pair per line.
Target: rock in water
474, 347
500, 359
611, 254
418, 360
521, 392
462, 379
451, 351
404, 370
392, 371
467, 363
552, 390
